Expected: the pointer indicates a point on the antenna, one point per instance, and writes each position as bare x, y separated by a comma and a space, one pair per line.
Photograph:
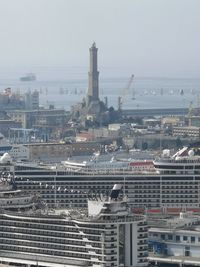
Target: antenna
124, 186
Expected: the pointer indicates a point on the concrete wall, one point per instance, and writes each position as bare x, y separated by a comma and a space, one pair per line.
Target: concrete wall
57, 151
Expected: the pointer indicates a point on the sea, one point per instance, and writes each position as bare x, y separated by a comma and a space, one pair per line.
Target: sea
64, 91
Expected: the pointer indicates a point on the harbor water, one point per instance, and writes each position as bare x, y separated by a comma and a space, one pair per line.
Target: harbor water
143, 93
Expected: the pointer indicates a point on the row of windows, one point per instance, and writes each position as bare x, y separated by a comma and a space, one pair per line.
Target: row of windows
179, 196
180, 201
43, 233
39, 226
47, 227
45, 245
146, 200
25, 181
43, 251
44, 239
180, 187
177, 238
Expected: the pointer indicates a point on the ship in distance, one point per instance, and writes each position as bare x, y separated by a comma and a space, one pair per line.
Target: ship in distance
106, 234
28, 77
15, 151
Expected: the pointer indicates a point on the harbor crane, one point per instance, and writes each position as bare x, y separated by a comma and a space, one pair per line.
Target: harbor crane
124, 93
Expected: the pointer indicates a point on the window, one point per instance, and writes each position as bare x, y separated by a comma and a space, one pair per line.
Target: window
185, 238
162, 236
170, 237
187, 251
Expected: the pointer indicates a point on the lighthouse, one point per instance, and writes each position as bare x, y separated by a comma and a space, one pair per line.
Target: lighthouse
93, 77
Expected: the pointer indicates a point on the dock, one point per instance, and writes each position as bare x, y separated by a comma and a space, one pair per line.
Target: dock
155, 112
178, 260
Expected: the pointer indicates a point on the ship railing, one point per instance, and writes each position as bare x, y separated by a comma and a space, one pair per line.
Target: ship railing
81, 219
162, 160
109, 171
17, 196
36, 258
130, 218
15, 206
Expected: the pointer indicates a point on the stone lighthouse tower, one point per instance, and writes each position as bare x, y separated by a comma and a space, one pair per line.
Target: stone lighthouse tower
93, 77
92, 109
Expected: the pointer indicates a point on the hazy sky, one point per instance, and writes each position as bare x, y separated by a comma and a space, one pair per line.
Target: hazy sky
144, 37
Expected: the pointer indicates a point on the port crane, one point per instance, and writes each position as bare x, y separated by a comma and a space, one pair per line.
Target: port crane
124, 93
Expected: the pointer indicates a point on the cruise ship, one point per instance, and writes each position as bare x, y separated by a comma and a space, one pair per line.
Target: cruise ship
106, 234
101, 164
11, 198
173, 183
185, 161
16, 151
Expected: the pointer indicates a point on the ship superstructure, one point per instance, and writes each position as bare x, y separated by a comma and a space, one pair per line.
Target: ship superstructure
12, 198
112, 165
106, 234
16, 151
185, 161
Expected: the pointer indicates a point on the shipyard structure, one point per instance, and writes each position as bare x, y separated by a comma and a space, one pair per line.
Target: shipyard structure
93, 111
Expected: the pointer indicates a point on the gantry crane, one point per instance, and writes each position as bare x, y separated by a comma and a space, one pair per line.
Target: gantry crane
124, 93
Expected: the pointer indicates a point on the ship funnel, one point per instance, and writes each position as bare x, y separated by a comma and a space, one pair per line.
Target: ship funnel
115, 191
6, 158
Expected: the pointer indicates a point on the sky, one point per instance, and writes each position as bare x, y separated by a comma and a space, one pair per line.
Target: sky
151, 38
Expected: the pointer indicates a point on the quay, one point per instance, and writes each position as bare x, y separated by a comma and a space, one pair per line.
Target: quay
155, 112
160, 260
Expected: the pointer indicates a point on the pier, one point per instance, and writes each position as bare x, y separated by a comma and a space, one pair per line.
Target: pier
156, 112
160, 260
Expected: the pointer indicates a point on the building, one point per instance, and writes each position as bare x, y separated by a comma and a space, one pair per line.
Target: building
46, 121
194, 121
31, 100
187, 131
170, 121
117, 129
84, 137
7, 124
176, 240
10, 100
